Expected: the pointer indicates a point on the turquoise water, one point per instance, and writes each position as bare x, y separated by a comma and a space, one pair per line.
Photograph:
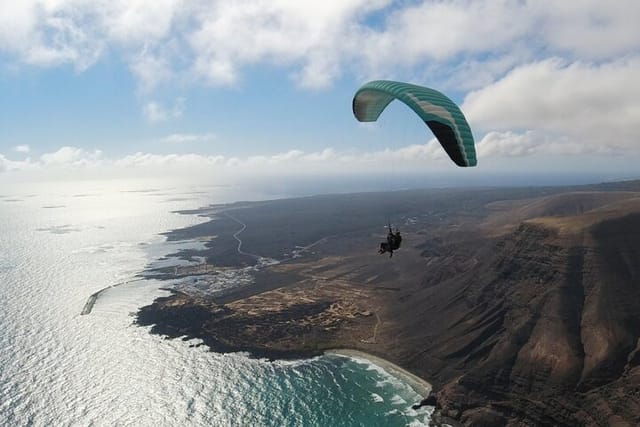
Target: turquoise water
60, 244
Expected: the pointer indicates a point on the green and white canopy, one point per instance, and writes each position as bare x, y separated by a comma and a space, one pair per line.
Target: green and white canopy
443, 117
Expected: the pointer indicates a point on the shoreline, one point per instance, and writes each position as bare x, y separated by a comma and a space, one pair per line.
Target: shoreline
419, 385
471, 241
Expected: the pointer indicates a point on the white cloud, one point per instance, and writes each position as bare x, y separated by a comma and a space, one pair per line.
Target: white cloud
316, 42
528, 143
461, 44
509, 144
595, 105
524, 148
589, 29
155, 112
330, 160
287, 162
71, 156
8, 165
18, 21
327, 154
50, 33
442, 30
309, 36
546, 76
182, 138
136, 22
149, 160
22, 148
151, 70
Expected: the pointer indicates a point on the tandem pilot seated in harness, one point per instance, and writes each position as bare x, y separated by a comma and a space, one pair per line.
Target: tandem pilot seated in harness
392, 243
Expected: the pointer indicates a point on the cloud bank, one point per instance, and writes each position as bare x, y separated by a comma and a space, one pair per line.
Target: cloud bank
214, 41
536, 77
86, 163
595, 105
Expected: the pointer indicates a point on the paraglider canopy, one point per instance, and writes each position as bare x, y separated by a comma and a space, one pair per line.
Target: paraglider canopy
441, 114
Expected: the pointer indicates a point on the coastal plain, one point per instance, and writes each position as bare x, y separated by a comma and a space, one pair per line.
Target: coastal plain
519, 305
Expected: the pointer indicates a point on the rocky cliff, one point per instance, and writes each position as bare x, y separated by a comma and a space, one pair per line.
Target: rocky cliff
544, 329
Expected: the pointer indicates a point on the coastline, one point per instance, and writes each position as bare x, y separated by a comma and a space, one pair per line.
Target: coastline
332, 301
419, 385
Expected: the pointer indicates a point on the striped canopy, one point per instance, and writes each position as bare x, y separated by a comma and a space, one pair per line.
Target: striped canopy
443, 117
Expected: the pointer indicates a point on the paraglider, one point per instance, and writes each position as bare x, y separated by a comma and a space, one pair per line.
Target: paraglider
392, 244
441, 114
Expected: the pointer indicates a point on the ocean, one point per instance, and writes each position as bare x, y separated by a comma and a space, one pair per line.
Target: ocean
61, 242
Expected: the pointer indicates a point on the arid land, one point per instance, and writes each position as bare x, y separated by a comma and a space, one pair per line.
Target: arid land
521, 306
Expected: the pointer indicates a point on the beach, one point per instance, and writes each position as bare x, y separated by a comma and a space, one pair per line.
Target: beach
419, 385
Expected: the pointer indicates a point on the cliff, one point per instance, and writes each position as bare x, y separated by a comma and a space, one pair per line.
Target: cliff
544, 329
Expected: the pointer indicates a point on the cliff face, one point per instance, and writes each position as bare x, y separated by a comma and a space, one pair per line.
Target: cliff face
544, 330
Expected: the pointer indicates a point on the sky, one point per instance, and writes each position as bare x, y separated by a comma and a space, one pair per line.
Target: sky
261, 88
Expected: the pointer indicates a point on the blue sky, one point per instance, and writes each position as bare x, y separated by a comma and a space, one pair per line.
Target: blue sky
116, 88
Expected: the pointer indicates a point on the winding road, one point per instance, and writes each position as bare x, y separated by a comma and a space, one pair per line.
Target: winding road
244, 226
237, 233
88, 306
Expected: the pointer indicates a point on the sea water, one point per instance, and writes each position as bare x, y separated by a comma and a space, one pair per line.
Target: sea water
59, 243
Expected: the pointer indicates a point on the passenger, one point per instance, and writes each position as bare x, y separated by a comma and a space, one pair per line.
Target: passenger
397, 240
389, 245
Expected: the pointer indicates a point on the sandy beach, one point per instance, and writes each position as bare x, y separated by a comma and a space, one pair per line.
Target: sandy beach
420, 386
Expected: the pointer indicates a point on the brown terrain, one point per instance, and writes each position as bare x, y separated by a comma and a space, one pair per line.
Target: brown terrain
520, 306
